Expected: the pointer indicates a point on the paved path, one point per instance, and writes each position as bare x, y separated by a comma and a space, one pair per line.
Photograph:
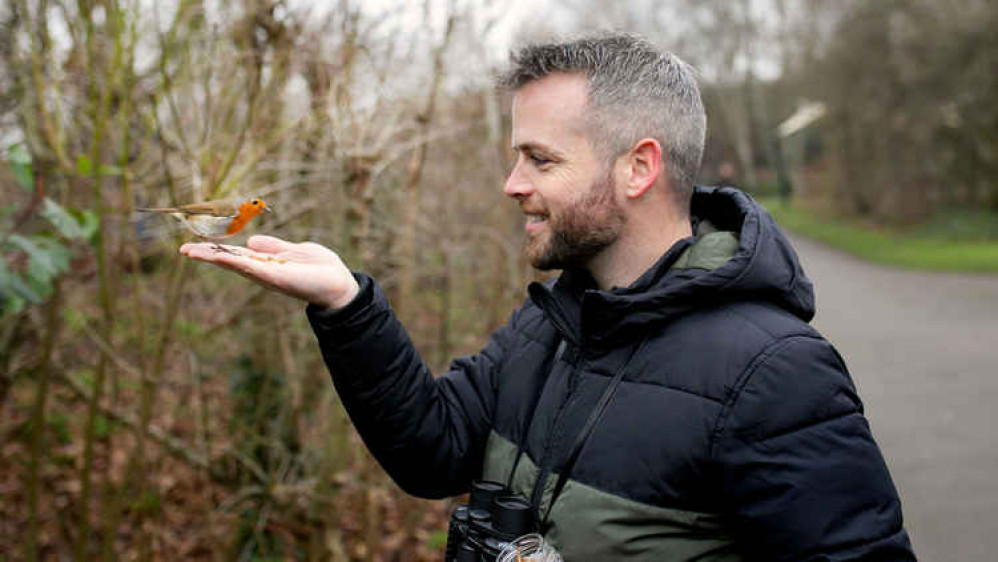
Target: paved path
923, 350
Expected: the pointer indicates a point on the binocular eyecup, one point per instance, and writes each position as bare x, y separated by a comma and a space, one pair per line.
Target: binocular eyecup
493, 517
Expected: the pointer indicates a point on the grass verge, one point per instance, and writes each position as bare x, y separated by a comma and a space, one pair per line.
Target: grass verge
934, 252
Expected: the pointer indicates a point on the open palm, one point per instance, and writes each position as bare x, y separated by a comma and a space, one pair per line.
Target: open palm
306, 271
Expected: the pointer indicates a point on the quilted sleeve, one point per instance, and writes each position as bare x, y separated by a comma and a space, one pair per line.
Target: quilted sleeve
428, 433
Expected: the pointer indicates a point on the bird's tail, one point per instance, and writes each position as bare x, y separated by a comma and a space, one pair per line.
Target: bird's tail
151, 224
157, 209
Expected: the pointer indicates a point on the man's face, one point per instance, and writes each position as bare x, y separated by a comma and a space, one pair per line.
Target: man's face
567, 193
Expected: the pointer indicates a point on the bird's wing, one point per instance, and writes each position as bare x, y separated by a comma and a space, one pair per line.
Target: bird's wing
214, 208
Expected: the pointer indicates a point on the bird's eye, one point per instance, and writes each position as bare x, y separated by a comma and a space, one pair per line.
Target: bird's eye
256, 202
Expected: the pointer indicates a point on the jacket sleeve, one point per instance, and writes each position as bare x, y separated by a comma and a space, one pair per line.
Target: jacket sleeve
801, 475
428, 433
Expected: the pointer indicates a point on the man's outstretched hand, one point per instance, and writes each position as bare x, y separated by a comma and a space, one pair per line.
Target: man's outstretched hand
306, 271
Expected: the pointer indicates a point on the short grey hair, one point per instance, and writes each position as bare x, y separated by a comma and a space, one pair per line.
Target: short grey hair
635, 91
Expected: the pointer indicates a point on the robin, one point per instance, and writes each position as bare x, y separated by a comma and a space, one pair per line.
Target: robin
214, 220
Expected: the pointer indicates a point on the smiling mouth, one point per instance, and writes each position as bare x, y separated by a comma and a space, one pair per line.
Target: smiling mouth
535, 222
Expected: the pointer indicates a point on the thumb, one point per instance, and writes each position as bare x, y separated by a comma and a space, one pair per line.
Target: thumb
268, 244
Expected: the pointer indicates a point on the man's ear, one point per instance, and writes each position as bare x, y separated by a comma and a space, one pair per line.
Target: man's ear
644, 166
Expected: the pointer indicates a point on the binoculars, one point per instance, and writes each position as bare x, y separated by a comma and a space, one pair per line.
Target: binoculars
493, 518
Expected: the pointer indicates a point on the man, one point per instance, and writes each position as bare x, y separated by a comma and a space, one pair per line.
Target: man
734, 431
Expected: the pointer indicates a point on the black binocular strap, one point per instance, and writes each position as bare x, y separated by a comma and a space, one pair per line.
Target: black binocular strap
587, 430
530, 415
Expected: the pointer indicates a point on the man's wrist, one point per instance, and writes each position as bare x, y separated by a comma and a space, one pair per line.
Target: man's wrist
321, 310
336, 302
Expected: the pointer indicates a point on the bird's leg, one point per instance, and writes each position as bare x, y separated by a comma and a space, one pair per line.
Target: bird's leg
215, 246
220, 248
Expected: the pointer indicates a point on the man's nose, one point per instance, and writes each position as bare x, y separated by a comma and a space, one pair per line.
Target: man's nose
517, 185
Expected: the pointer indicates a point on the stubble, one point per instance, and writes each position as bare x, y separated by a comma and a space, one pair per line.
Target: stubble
581, 231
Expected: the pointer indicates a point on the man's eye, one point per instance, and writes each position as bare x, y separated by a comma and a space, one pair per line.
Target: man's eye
539, 160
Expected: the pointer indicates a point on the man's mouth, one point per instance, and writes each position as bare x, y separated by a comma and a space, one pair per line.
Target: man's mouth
535, 221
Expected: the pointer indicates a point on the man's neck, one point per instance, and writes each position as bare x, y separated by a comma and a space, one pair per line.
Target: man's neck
634, 252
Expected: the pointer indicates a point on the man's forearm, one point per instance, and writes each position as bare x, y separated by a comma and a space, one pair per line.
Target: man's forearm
419, 428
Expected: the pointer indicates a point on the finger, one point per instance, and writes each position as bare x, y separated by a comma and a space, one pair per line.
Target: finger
268, 244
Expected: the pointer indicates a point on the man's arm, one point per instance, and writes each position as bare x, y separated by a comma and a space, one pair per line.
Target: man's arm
801, 474
429, 434
305, 271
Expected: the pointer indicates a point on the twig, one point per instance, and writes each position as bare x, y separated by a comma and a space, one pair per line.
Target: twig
38, 418
109, 353
169, 443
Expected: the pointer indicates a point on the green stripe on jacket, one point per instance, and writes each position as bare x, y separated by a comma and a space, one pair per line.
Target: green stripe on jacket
590, 524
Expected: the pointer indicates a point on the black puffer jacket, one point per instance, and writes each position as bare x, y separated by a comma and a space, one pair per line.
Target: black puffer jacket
735, 434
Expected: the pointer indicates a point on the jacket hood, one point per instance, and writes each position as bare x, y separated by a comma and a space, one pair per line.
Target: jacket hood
763, 267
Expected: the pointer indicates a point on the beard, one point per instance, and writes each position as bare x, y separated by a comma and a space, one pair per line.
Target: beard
580, 231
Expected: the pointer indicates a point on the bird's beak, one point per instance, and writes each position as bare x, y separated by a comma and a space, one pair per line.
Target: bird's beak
268, 210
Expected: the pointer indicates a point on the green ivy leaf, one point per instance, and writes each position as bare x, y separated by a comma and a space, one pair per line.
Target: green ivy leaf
109, 170
74, 319
88, 221
84, 166
57, 251
12, 303
65, 223
20, 164
15, 290
48, 258
72, 224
